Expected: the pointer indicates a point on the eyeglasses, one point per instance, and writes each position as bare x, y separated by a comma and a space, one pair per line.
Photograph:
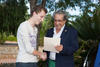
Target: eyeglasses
57, 20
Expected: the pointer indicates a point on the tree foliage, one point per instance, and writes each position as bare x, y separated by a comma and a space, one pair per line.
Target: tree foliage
54, 5
88, 25
12, 13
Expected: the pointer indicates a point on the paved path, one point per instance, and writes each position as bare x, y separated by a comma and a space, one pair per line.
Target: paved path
8, 52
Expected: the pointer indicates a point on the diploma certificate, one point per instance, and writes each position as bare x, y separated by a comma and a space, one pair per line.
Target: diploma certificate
50, 43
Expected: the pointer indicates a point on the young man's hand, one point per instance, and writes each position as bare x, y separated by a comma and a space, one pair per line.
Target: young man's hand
43, 56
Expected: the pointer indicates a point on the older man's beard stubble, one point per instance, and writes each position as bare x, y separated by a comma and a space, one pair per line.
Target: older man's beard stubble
58, 27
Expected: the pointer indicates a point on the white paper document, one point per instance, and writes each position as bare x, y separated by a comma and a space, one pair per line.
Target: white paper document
50, 43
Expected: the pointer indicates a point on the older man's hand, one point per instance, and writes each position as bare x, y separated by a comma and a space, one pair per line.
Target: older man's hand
59, 47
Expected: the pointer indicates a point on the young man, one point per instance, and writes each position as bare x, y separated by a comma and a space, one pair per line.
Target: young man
27, 36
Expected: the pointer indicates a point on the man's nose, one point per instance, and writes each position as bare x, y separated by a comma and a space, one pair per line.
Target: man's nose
57, 22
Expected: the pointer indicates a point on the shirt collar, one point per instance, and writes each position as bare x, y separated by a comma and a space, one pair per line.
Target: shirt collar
59, 31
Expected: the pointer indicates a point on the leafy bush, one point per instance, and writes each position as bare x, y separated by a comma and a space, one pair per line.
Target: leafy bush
11, 38
2, 37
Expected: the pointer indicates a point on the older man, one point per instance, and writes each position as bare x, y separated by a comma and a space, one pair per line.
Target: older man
68, 44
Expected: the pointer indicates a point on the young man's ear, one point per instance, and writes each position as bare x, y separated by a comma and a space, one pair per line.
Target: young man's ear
34, 13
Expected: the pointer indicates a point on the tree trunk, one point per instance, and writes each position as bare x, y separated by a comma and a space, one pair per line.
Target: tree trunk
32, 4
43, 3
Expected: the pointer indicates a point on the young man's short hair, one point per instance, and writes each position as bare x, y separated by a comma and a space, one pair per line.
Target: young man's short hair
38, 8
